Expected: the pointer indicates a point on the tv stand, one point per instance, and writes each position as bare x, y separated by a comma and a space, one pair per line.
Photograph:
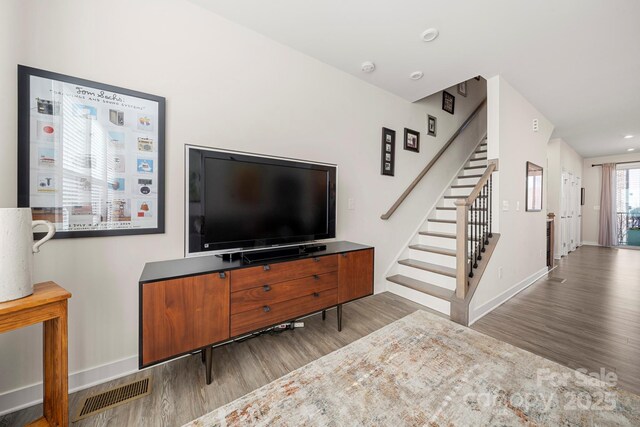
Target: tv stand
192, 304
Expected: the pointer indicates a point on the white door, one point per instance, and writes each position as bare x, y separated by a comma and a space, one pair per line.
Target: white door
578, 221
573, 214
564, 214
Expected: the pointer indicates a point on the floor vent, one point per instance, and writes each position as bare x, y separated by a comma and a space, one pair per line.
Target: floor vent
114, 397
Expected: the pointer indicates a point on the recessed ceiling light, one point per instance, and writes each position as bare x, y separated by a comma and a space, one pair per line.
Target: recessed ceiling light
368, 67
429, 35
416, 75
628, 136
630, 149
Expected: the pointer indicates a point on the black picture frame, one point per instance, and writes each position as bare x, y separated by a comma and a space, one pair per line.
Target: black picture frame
534, 182
411, 140
387, 167
462, 89
432, 125
448, 102
120, 103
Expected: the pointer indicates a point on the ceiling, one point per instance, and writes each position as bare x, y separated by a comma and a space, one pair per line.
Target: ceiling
577, 61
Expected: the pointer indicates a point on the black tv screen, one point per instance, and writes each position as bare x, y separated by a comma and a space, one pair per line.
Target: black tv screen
240, 200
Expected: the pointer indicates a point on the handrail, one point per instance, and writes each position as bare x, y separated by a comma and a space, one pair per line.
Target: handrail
478, 188
424, 171
478, 203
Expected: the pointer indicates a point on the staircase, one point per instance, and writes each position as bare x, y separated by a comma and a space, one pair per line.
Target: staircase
436, 269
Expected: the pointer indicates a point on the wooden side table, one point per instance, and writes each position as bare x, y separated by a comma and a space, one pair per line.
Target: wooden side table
48, 304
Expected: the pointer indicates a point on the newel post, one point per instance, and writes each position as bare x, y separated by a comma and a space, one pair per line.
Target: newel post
462, 248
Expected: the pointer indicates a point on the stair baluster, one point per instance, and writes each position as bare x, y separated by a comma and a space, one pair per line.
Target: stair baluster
490, 204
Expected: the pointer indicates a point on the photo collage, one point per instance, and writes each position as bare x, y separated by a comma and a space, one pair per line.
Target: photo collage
94, 157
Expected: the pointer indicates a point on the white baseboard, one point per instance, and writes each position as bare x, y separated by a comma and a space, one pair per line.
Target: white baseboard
505, 296
14, 400
589, 243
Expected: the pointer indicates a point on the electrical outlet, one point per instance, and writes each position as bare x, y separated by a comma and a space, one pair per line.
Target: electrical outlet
535, 125
499, 272
505, 205
518, 206
351, 204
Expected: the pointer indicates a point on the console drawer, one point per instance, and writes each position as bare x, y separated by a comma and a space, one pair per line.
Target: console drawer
253, 298
270, 314
269, 274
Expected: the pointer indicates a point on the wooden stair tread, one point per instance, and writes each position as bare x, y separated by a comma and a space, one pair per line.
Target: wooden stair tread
438, 234
463, 197
444, 208
424, 287
443, 221
427, 266
476, 167
433, 249
463, 186
470, 176
478, 158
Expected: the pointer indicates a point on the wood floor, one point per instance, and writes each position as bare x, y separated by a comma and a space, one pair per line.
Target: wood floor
590, 321
180, 394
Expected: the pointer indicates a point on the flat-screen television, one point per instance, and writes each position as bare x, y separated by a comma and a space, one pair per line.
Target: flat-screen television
240, 201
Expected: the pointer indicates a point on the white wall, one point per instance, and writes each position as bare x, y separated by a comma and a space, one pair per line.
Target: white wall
11, 17
561, 157
226, 87
592, 182
521, 252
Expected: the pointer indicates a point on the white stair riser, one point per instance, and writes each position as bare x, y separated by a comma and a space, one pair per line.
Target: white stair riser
467, 181
466, 172
442, 214
477, 163
449, 203
462, 192
439, 242
433, 258
421, 298
441, 227
428, 276
478, 156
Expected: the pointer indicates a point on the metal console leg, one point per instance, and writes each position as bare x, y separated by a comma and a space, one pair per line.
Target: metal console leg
324, 314
339, 317
208, 356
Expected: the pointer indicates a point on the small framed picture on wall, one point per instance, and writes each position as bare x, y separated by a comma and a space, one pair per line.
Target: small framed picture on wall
448, 102
411, 140
388, 157
462, 89
431, 125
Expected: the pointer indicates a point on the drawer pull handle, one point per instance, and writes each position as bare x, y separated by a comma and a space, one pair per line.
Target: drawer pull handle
316, 259
266, 288
223, 275
266, 267
315, 294
316, 277
266, 309
344, 255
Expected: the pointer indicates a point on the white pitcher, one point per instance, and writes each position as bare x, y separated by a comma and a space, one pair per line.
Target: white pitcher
16, 251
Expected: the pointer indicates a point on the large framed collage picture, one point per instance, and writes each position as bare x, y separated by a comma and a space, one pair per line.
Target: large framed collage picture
90, 155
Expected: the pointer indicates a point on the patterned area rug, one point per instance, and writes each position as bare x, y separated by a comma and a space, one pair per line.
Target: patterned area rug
425, 370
